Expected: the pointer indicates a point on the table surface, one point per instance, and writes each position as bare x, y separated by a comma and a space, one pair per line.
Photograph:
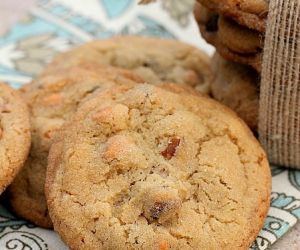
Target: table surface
12, 10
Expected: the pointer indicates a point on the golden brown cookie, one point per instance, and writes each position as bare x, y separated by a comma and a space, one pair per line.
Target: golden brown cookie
14, 134
52, 99
232, 41
249, 13
146, 168
239, 39
237, 86
155, 60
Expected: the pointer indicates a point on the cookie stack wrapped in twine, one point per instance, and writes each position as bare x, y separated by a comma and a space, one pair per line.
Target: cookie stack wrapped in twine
279, 105
279, 99
279, 102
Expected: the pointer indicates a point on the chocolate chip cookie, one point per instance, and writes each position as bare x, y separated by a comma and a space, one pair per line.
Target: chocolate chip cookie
155, 60
237, 86
14, 134
146, 168
52, 99
232, 41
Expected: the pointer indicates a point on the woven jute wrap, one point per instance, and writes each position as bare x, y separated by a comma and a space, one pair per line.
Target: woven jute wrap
279, 114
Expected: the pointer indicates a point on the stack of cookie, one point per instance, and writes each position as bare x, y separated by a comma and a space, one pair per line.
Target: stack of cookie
128, 152
236, 28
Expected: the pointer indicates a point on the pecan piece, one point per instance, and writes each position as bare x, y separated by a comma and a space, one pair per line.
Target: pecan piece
161, 204
157, 209
170, 150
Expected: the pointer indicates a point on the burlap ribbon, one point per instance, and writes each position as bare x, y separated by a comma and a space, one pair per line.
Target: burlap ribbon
279, 114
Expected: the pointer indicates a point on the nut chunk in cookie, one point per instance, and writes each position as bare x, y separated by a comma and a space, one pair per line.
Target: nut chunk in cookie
161, 204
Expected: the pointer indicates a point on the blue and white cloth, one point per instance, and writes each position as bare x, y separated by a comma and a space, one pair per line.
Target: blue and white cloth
54, 26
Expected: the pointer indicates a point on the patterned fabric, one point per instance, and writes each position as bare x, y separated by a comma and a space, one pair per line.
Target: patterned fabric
54, 26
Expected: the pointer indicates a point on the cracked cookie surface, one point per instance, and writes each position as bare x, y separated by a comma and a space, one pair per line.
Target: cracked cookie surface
14, 134
147, 168
52, 99
155, 60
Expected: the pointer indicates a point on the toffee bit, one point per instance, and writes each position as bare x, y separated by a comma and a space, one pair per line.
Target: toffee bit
163, 245
53, 99
170, 151
5, 107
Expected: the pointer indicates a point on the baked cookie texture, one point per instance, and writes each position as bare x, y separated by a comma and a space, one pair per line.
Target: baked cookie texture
52, 99
237, 86
233, 41
155, 60
248, 13
146, 168
14, 134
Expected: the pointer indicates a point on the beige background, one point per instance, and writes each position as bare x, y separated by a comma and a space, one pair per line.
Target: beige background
12, 10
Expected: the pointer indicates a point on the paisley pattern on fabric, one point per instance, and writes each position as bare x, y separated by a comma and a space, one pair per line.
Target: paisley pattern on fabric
20, 240
277, 170
115, 8
179, 10
55, 26
283, 214
144, 26
7, 220
294, 178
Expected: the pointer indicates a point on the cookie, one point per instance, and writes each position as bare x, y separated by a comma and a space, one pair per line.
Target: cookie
249, 13
146, 168
52, 99
155, 60
232, 41
14, 134
238, 39
237, 86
